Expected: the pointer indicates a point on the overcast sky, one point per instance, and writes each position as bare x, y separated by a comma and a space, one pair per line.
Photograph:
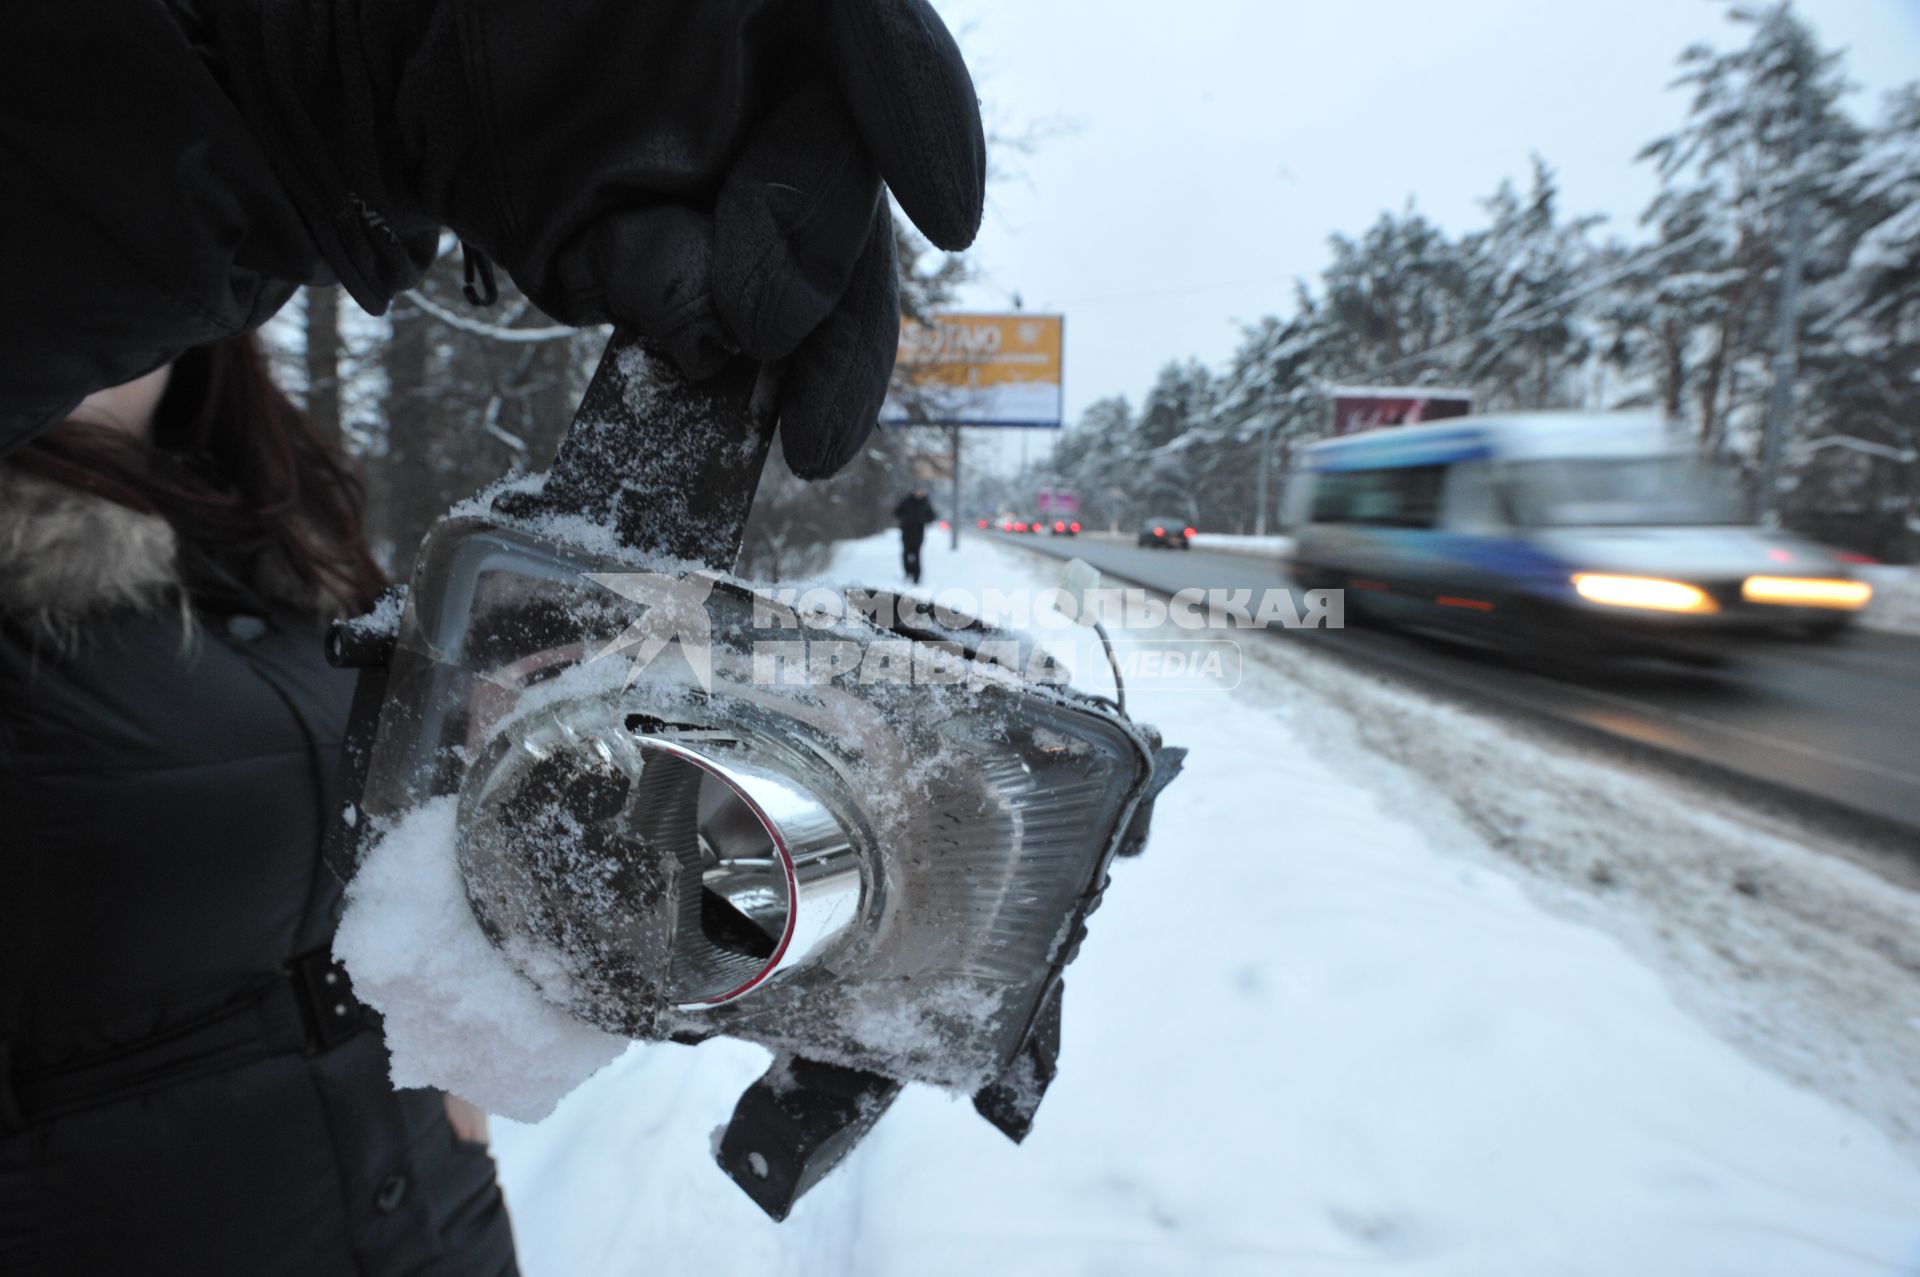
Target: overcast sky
1206, 149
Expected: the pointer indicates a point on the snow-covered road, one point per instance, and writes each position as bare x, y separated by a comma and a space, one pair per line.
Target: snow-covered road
1329, 1022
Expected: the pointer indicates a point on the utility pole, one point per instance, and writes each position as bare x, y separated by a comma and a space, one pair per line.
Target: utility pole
1266, 473
1786, 355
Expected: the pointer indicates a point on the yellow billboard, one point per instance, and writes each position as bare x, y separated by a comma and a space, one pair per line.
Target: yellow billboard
978, 370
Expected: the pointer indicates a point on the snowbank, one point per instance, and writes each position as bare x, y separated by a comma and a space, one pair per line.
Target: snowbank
1896, 599
1300, 1039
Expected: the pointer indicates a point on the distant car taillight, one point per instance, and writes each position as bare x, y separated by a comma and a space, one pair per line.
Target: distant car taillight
1073, 527
983, 523
1059, 525
1187, 531
1159, 532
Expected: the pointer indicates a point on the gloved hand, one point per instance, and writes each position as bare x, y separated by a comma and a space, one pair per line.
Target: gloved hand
708, 171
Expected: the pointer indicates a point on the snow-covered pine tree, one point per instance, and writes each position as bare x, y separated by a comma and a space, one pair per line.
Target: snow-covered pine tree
1393, 298
1528, 344
1095, 458
1271, 398
1858, 467
1170, 441
1765, 130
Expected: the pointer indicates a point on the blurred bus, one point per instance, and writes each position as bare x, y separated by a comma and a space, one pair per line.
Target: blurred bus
1583, 534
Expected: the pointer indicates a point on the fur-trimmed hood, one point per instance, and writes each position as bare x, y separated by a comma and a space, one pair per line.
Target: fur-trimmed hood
66, 555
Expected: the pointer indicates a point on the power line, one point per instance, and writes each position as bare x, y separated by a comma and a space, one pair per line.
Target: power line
1182, 290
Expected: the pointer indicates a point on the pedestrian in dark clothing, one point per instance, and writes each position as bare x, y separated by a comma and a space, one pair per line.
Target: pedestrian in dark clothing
186, 1084
913, 514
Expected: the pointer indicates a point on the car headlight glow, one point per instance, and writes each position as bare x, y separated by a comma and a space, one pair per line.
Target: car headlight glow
1648, 593
1793, 591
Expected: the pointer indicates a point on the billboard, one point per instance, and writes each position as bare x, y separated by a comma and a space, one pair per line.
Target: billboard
1358, 408
978, 370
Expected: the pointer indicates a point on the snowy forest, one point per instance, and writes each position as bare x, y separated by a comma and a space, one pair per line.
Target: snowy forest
1539, 307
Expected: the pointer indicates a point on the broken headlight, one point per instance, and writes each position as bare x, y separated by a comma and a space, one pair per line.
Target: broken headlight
867, 840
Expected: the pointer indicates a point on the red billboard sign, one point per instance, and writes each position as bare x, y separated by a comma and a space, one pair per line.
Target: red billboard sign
1358, 408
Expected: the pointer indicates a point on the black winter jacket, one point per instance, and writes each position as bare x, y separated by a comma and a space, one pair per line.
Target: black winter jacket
913, 514
161, 812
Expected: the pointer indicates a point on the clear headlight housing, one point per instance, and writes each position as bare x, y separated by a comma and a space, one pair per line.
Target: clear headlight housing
878, 874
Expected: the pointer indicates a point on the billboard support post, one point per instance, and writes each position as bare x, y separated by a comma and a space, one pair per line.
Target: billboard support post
953, 511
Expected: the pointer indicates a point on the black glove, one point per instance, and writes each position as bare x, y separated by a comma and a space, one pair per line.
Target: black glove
708, 171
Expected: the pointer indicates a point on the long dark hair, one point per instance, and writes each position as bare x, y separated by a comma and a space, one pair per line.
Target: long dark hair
239, 472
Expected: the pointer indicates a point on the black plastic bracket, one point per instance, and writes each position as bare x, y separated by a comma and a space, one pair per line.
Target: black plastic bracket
1168, 761
795, 1124
1011, 1100
669, 463
359, 644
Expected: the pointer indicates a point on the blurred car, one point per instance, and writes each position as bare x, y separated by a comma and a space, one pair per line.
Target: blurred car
1572, 534
1173, 533
1065, 527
